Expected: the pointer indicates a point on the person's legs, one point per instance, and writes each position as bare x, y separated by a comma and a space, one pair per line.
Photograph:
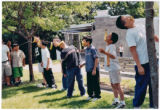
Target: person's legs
119, 90
8, 73
64, 82
147, 71
8, 80
96, 85
46, 76
71, 79
89, 84
79, 79
115, 92
51, 78
140, 88
44, 80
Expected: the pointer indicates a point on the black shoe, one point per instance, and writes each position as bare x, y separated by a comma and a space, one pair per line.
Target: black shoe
97, 97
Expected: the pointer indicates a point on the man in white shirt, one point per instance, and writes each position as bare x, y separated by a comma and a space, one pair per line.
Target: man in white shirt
121, 50
136, 39
47, 66
6, 64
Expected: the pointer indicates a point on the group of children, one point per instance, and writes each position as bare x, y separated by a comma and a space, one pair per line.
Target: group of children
71, 64
13, 61
71, 58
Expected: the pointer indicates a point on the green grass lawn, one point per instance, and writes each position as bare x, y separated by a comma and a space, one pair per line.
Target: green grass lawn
29, 96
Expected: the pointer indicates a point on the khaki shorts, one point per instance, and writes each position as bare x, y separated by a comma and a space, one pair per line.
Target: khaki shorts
114, 76
6, 69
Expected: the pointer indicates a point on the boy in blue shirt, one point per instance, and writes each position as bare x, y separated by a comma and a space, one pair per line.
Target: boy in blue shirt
92, 69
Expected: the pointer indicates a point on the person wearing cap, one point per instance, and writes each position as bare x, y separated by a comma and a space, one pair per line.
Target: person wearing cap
18, 61
6, 64
71, 58
47, 66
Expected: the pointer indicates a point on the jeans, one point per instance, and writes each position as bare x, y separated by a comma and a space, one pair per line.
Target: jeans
72, 73
142, 81
64, 82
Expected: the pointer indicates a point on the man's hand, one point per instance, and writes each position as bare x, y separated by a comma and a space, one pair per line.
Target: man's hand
80, 66
47, 68
101, 50
94, 72
41, 64
65, 75
156, 38
140, 70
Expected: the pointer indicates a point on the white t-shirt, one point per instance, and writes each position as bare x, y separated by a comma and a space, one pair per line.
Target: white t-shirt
114, 64
137, 37
121, 49
45, 55
5, 49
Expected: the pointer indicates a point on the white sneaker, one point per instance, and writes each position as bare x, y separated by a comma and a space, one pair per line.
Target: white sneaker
40, 85
115, 103
89, 98
94, 99
121, 105
54, 86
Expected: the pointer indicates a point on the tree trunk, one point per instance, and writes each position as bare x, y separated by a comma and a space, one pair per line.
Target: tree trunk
31, 75
152, 51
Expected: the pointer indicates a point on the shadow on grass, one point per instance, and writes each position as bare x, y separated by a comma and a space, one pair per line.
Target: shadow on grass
50, 93
12, 91
75, 104
57, 99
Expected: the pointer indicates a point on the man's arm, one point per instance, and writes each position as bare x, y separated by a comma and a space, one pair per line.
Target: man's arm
106, 53
64, 68
95, 66
9, 56
136, 59
24, 62
47, 68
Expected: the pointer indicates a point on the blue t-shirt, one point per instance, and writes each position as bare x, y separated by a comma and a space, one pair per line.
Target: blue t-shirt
90, 56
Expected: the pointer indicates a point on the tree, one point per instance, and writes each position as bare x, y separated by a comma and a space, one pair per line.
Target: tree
25, 18
152, 52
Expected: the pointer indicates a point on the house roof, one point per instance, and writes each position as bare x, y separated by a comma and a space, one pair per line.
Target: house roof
79, 28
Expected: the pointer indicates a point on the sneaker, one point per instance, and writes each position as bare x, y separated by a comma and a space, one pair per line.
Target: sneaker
89, 98
63, 89
94, 99
121, 105
54, 86
115, 103
40, 85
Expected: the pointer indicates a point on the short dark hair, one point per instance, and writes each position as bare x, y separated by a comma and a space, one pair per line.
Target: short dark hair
44, 43
120, 23
114, 38
88, 39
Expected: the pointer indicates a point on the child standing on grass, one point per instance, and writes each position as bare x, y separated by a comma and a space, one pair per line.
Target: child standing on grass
92, 69
47, 66
112, 64
18, 61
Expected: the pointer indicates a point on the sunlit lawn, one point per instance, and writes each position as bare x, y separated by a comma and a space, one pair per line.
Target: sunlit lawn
28, 95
